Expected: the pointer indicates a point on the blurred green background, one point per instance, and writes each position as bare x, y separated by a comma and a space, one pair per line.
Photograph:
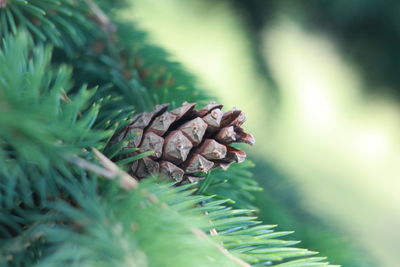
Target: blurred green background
320, 83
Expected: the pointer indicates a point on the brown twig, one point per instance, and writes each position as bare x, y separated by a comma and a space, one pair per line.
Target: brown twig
109, 170
213, 231
92, 167
126, 181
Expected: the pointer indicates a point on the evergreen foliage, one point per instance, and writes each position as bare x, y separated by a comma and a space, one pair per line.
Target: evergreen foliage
70, 78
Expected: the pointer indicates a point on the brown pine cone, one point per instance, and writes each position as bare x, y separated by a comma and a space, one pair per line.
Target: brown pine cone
187, 143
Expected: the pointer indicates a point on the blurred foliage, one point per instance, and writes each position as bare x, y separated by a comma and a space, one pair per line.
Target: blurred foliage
368, 32
281, 202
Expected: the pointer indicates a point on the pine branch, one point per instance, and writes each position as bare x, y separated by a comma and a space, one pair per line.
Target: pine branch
55, 204
254, 238
128, 183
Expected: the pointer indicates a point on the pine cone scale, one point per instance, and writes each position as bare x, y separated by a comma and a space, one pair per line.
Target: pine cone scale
194, 130
177, 147
213, 119
212, 150
152, 141
168, 169
161, 124
183, 110
198, 163
226, 135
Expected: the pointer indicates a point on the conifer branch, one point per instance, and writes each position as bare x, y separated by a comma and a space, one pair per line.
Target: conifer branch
128, 182
44, 195
202, 235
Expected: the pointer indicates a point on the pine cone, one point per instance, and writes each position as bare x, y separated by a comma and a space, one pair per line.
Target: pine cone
187, 143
